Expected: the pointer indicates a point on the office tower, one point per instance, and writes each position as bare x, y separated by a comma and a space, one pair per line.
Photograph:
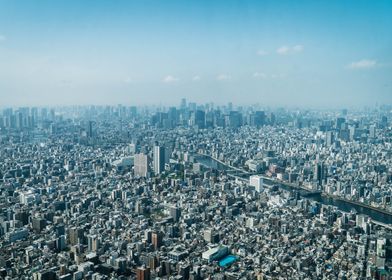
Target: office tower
19, 120
75, 234
141, 165
183, 104
372, 131
209, 119
257, 182
133, 111
344, 134
143, 273
44, 113
172, 117
52, 115
38, 224
93, 243
197, 119
329, 138
230, 106
152, 262
339, 122
234, 119
200, 119
257, 118
175, 213
384, 121
192, 106
60, 243
210, 236
159, 159
156, 239
90, 129
320, 173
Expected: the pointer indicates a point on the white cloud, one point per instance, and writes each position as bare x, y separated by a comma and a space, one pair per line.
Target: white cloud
196, 78
2, 38
170, 79
284, 50
262, 53
363, 64
259, 75
223, 77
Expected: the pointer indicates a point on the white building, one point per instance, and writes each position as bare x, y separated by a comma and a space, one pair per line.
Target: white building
215, 253
257, 182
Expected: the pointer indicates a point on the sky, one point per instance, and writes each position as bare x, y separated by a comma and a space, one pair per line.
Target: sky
325, 53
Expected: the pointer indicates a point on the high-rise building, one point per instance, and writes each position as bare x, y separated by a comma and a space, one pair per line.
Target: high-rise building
211, 236
198, 118
159, 159
38, 224
183, 103
93, 243
75, 234
338, 123
234, 119
141, 165
60, 243
257, 118
175, 213
257, 182
143, 273
156, 239
320, 173
90, 132
329, 138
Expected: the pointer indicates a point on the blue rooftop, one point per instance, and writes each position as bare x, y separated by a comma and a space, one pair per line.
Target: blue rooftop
228, 260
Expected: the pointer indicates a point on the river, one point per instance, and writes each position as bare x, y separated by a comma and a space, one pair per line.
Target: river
341, 205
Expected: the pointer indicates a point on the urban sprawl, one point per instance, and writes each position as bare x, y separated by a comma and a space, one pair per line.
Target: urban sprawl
195, 191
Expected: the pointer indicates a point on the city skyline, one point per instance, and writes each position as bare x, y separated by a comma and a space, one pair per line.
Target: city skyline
305, 54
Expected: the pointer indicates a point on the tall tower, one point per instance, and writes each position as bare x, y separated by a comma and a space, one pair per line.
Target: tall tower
159, 159
156, 239
143, 273
183, 104
90, 131
141, 165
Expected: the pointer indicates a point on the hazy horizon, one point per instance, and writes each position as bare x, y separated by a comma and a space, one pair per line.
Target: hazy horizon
314, 54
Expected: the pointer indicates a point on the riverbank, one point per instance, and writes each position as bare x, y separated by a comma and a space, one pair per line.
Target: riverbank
382, 216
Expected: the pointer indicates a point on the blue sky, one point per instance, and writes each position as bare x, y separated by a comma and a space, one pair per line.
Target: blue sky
279, 53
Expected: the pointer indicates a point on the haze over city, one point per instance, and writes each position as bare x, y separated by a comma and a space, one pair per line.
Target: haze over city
195, 140
276, 53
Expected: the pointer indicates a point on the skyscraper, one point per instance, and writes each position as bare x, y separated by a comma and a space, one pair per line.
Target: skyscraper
143, 273
156, 239
93, 243
320, 173
329, 138
175, 213
183, 103
90, 131
159, 159
141, 165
